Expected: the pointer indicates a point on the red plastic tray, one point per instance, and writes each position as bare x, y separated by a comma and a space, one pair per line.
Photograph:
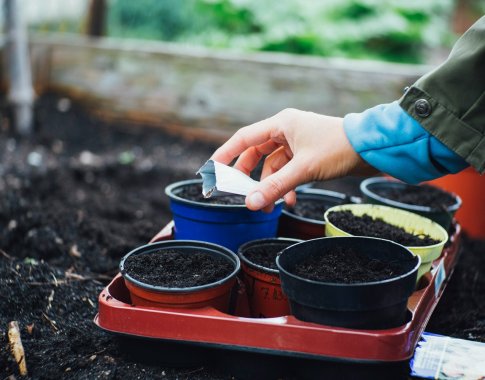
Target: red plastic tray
282, 335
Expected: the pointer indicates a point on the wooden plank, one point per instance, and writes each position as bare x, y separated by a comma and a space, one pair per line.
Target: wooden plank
213, 92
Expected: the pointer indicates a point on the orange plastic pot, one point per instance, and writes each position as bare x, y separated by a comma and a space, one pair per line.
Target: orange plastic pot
470, 186
216, 294
299, 227
263, 285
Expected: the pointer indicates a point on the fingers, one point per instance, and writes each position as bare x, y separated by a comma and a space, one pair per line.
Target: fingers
290, 198
250, 158
275, 161
250, 136
277, 185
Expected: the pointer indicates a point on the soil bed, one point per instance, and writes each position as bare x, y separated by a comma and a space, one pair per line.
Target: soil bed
194, 193
366, 225
265, 255
347, 266
423, 195
81, 194
174, 269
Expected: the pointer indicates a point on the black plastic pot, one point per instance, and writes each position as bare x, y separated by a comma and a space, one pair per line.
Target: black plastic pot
368, 305
374, 188
299, 227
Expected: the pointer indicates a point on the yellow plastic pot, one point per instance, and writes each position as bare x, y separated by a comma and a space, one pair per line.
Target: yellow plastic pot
411, 222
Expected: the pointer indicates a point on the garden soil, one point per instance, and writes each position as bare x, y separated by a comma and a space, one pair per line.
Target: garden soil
194, 193
81, 194
265, 254
170, 268
423, 195
310, 208
367, 225
346, 266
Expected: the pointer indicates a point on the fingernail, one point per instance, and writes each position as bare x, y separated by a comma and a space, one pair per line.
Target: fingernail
256, 200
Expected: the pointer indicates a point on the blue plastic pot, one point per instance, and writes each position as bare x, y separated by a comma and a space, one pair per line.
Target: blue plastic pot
227, 225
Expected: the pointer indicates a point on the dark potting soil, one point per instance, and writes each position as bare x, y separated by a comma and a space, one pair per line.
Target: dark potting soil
89, 193
423, 195
309, 208
176, 269
194, 193
74, 199
366, 225
347, 266
265, 254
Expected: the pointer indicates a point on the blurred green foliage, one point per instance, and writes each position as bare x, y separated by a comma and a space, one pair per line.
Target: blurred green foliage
392, 30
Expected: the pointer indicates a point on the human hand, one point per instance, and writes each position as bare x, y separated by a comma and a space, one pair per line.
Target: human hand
301, 147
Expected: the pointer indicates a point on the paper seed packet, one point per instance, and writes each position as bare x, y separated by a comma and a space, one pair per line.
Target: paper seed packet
442, 357
220, 179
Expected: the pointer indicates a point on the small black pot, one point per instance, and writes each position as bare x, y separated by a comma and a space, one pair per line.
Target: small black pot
371, 188
369, 305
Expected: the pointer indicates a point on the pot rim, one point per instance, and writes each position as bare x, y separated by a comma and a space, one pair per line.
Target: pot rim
315, 192
169, 191
181, 243
441, 243
364, 188
358, 284
252, 265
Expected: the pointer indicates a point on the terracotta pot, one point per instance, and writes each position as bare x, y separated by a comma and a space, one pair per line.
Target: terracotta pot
299, 227
263, 285
215, 294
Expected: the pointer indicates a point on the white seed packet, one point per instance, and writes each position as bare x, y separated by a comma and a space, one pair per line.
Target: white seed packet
218, 179
442, 357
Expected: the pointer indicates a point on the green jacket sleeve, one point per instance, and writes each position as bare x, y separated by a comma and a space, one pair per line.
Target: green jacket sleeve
449, 102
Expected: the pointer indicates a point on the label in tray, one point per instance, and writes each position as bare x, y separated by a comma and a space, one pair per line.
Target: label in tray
440, 277
443, 357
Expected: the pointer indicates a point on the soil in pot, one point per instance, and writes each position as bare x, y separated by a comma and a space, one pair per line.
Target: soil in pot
346, 265
174, 269
180, 273
261, 277
306, 219
193, 192
309, 208
223, 220
265, 255
372, 295
428, 201
366, 225
423, 195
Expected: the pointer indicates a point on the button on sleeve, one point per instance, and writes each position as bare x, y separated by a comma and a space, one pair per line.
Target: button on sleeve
422, 108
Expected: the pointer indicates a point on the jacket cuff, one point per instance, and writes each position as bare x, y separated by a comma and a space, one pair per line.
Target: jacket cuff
470, 140
390, 140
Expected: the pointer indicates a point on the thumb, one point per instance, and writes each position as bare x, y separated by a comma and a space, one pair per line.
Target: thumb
275, 186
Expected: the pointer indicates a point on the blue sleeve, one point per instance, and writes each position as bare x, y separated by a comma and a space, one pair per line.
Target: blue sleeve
393, 142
